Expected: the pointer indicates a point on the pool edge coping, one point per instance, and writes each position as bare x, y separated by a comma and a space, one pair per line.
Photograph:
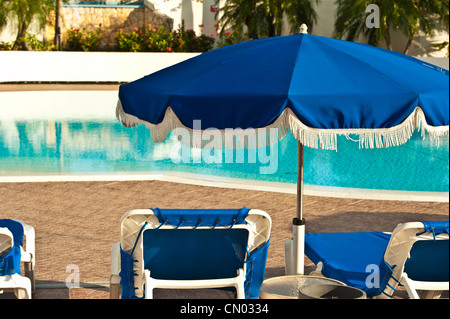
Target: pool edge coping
235, 183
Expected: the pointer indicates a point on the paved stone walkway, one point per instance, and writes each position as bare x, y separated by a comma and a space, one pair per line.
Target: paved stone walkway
76, 223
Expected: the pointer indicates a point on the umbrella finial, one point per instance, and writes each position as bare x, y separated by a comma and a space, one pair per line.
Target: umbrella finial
304, 29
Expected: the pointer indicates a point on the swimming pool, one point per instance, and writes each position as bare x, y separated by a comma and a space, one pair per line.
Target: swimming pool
75, 132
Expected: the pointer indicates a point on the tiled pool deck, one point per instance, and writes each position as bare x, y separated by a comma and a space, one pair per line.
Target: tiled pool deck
76, 223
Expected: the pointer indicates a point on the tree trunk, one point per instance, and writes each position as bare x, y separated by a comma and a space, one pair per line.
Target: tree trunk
19, 43
387, 38
252, 34
58, 24
408, 45
271, 26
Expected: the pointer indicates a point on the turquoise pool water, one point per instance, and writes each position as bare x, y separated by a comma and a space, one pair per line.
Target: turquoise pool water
82, 138
70, 147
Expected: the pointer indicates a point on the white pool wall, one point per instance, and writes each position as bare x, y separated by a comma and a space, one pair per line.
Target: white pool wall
63, 66
58, 105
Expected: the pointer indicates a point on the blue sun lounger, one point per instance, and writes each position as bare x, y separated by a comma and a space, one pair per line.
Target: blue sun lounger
416, 255
190, 248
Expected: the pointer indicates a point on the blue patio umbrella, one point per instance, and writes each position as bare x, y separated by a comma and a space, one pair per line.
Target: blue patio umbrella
315, 87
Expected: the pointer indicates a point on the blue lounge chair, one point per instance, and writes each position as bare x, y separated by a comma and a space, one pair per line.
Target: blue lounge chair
190, 248
416, 255
13, 253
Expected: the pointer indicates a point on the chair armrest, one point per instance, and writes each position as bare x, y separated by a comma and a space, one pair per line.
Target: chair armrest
30, 238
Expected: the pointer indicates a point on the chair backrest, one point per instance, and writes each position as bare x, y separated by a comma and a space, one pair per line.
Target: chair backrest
192, 244
6, 241
15, 228
428, 261
419, 249
10, 253
12, 239
199, 253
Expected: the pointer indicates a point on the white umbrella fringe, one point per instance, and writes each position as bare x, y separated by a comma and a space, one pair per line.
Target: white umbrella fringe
310, 137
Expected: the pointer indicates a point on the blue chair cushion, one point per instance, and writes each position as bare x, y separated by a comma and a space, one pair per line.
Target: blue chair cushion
351, 257
194, 254
428, 261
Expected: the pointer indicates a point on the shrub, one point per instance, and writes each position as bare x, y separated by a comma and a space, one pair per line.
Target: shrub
157, 40
230, 38
127, 42
33, 43
82, 40
149, 39
5, 46
191, 42
29, 42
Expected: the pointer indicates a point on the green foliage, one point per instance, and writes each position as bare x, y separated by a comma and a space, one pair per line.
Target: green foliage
82, 40
265, 18
5, 46
144, 39
149, 39
188, 41
440, 46
22, 13
230, 38
128, 42
409, 17
31, 42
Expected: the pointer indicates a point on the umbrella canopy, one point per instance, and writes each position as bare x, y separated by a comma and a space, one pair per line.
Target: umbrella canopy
315, 87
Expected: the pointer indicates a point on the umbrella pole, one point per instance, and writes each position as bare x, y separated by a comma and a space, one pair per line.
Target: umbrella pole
295, 248
299, 181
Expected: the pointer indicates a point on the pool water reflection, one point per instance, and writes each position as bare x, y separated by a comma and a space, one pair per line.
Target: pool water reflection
63, 146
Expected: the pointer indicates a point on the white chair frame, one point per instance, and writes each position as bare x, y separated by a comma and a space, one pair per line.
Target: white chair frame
397, 252
22, 286
403, 238
258, 225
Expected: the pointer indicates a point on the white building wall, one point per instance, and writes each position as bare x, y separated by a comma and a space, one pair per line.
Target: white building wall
193, 12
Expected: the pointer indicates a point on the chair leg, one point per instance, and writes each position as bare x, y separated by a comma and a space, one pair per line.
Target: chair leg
430, 294
29, 273
21, 293
114, 290
240, 291
409, 286
114, 287
23, 286
149, 286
